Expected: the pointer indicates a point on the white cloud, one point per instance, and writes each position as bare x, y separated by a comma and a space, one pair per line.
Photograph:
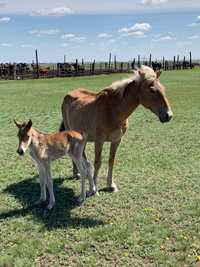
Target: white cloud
3, 4
73, 38
165, 38
68, 36
137, 30
52, 7
6, 44
104, 35
4, 19
143, 27
153, 2
111, 41
27, 46
197, 22
136, 34
54, 12
79, 39
193, 37
44, 32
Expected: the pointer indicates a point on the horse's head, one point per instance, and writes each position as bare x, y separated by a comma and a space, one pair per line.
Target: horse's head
152, 93
24, 135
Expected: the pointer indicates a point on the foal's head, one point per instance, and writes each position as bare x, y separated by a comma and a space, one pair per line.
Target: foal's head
152, 94
24, 134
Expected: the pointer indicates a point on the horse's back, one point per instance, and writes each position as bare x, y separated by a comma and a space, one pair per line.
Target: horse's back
80, 94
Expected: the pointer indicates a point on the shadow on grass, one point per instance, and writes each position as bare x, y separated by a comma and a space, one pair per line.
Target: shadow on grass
28, 192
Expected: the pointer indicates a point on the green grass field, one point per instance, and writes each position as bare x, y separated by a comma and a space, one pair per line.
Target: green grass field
154, 219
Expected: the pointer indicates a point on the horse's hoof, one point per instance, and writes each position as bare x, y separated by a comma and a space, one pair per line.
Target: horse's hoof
112, 189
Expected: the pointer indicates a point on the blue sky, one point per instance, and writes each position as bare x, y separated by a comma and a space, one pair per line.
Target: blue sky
92, 29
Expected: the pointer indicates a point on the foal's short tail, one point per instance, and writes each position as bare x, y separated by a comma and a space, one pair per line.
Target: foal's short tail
62, 126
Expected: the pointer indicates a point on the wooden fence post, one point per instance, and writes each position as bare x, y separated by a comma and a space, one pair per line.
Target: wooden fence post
109, 63
174, 63
138, 63
150, 60
184, 67
190, 60
93, 67
163, 63
37, 64
14, 71
115, 63
177, 62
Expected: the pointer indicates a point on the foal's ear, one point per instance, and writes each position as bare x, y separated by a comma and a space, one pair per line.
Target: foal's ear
17, 123
158, 73
28, 125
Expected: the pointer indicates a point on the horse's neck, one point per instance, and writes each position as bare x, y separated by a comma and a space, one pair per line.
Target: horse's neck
129, 100
36, 139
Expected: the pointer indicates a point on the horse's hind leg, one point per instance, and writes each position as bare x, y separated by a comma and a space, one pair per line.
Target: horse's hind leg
113, 149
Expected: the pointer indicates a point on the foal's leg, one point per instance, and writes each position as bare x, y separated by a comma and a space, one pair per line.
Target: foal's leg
110, 184
42, 185
76, 173
49, 186
97, 161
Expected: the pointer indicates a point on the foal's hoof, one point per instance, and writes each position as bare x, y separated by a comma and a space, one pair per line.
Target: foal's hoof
50, 206
91, 193
77, 176
81, 199
40, 202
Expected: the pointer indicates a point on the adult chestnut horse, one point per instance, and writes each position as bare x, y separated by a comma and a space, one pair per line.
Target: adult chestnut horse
102, 116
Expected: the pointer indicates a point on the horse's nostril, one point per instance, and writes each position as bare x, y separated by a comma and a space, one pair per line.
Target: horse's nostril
20, 152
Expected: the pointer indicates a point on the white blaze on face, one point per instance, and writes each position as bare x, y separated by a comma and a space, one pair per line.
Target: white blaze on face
23, 146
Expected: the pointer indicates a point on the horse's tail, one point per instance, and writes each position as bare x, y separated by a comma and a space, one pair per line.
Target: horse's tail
62, 126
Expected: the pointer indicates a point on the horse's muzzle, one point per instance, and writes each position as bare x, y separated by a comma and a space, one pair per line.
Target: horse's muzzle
20, 151
165, 116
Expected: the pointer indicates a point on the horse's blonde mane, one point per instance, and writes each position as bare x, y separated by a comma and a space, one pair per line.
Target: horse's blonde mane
148, 73
144, 73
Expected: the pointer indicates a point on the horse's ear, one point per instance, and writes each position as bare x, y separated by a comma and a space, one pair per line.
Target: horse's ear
29, 124
141, 73
158, 73
17, 123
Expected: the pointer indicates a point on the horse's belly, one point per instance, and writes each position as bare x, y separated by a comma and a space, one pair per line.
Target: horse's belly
115, 135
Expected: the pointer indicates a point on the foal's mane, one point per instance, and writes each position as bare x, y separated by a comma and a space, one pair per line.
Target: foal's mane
145, 73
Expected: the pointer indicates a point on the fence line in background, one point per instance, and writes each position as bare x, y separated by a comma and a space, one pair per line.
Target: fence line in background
33, 71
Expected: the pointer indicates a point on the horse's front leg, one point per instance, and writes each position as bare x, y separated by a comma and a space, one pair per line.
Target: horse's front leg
97, 161
111, 186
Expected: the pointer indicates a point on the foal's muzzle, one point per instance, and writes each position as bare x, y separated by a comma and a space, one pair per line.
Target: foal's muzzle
165, 116
20, 151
